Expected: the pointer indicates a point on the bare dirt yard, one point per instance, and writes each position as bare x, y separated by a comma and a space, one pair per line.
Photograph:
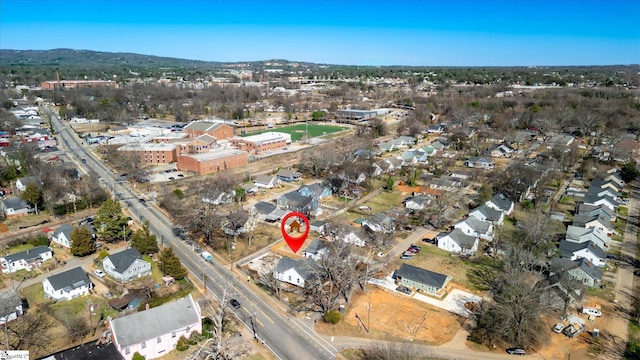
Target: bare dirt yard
394, 316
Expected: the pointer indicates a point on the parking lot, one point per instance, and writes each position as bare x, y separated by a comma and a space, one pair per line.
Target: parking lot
166, 176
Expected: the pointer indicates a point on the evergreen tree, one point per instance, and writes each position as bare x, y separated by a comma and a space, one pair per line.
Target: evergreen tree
111, 223
170, 264
81, 242
144, 240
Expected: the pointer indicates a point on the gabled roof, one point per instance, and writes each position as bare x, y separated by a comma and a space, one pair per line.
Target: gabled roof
568, 248
263, 179
489, 213
293, 198
304, 266
155, 322
316, 246
206, 138
123, 260
477, 225
595, 190
422, 276
287, 173
592, 199
202, 126
69, 280
585, 208
557, 265
579, 232
29, 254
15, 203
583, 219
420, 199
465, 241
502, 202
65, 229
315, 189
91, 350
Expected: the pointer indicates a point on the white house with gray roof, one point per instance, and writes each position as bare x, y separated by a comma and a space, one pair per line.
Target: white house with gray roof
476, 227
502, 203
486, 213
126, 265
294, 271
587, 250
580, 234
62, 235
459, 242
582, 270
155, 332
27, 259
67, 285
14, 207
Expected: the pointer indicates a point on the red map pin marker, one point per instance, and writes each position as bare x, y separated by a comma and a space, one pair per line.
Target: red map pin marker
295, 242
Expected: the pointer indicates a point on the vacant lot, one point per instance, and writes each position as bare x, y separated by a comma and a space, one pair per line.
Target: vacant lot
394, 316
298, 131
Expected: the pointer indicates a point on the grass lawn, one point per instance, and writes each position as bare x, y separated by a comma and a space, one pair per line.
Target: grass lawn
297, 131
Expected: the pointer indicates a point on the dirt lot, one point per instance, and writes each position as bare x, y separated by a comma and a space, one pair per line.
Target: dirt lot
394, 316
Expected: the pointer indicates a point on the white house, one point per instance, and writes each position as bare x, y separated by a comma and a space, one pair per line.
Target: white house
12, 306
479, 162
14, 207
417, 202
500, 202
486, 213
294, 271
595, 200
26, 259
21, 184
316, 250
67, 285
126, 265
265, 181
579, 234
155, 332
595, 221
459, 242
475, 227
586, 250
355, 239
62, 235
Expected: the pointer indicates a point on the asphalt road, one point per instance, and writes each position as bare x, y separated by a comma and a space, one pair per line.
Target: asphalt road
285, 338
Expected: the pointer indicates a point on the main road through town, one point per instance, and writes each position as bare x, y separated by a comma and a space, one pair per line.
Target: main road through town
287, 339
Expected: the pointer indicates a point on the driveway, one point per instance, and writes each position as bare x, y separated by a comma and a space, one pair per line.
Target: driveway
454, 302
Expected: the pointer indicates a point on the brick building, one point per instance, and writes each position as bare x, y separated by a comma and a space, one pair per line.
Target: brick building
262, 143
212, 161
153, 153
218, 130
71, 84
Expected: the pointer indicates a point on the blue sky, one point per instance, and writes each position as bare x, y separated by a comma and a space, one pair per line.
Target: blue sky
430, 33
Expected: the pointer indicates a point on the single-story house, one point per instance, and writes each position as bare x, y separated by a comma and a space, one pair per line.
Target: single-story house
429, 282
581, 234
62, 235
486, 213
595, 200
67, 285
26, 259
475, 227
316, 191
594, 221
12, 306
316, 250
237, 223
502, 203
288, 175
458, 242
22, 183
380, 222
14, 207
355, 238
582, 270
319, 226
265, 181
294, 271
502, 150
126, 265
587, 250
435, 129
479, 162
294, 201
155, 332
418, 203
597, 210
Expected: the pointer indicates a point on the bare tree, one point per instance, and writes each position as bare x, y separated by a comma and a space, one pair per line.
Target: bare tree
391, 351
268, 280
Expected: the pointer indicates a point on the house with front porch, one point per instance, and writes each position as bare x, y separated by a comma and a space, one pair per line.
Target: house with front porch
458, 242
27, 259
67, 285
62, 235
587, 250
422, 280
154, 333
580, 234
582, 270
266, 181
294, 271
502, 203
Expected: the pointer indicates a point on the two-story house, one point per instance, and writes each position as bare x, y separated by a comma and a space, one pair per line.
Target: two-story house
126, 265
67, 285
27, 259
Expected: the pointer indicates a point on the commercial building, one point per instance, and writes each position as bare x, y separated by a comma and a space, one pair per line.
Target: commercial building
355, 115
218, 130
212, 161
262, 143
71, 84
153, 153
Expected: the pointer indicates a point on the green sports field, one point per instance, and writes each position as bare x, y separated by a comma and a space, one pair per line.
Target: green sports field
297, 131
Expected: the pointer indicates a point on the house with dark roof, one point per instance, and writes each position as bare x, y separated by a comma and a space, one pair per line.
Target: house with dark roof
380, 222
594, 221
318, 226
155, 332
579, 234
288, 175
475, 227
14, 207
597, 210
264, 208
486, 213
417, 203
502, 203
605, 200
294, 201
316, 191
429, 282
588, 250
458, 242
67, 285
582, 270
237, 223
27, 259
480, 163
294, 271
62, 235
126, 265
316, 250
92, 350
22, 183
266, 181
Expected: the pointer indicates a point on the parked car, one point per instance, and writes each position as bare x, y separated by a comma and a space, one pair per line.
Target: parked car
84, 161
516, 351
557, 328
99, 273
591, 311
406, 257
235, 303
413, 246
409, 253
412, 250
403, 289
430, 241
